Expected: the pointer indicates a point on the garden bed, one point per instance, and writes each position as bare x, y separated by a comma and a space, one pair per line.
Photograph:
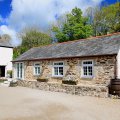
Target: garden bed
42, 80
69, 82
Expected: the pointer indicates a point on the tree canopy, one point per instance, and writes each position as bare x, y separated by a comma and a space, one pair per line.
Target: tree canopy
104, 20
74, 27
31, 38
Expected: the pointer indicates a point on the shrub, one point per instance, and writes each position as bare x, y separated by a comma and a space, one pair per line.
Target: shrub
9, 73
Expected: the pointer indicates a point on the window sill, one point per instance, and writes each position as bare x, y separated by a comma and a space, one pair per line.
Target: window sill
19, 78
85, 77
36, 75
57, 76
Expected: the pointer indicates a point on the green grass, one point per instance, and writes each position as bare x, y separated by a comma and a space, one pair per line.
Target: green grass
2, 80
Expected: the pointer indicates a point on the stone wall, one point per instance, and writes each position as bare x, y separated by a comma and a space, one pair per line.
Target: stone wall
82, 90
103, 70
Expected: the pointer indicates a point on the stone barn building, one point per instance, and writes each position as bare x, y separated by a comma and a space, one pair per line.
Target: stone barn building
88, 62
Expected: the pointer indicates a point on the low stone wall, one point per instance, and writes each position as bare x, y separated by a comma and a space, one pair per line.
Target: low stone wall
82, 90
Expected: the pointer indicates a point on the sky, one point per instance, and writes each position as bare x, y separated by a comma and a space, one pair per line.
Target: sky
16, 15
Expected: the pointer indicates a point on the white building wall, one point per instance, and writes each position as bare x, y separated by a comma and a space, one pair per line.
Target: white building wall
118, 64
6, 55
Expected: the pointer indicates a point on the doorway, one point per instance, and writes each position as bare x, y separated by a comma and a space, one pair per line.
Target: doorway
2, 71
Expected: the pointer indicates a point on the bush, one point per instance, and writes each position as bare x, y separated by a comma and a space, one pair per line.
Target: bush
42, 80
9, 73
70, 82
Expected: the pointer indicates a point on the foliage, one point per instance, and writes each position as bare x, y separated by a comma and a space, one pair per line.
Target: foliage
5, 38
105, 19
9, 72
74, 27
31, 38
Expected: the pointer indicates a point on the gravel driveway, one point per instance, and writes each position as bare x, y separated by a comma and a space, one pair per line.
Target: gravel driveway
28, 104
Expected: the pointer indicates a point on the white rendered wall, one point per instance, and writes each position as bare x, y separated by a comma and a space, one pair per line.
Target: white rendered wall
118, 64
6, 55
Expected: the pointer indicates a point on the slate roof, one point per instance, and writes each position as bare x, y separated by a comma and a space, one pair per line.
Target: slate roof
105, 45
5, 43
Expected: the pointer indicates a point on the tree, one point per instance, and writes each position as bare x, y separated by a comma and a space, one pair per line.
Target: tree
31, 38
105, 19
74, 27
6, 39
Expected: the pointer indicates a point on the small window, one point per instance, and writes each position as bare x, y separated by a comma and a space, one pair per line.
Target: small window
37, 69
58, 69
87, 69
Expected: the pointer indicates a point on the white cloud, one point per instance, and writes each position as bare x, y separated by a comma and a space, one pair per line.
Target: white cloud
12, 33
40, 13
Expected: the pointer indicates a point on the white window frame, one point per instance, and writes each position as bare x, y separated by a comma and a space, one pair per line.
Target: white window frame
53, 72
35, 65
19, 73
87, 65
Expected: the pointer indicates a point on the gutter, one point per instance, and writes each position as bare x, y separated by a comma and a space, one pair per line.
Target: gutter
7, 46
63, 58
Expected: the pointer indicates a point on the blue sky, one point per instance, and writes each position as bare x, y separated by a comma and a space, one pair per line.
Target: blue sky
15, 15
5, 6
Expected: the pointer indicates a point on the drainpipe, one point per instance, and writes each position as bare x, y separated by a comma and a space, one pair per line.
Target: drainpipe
115, 68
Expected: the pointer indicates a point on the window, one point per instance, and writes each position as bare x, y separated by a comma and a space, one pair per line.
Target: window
58, 69
19, 70
36, 69
87, 69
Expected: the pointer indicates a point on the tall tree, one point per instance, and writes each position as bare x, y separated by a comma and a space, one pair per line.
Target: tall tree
32, 38
105, 19
74, 27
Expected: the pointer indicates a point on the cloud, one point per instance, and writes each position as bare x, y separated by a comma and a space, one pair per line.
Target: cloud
12, 33
41, 13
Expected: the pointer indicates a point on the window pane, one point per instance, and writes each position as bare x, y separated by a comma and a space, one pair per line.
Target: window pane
55, 70
20, 70
59, 63
38, 70
37, 64
90, 71
87, 62
85, 70
60, 70
17, 70
35, 70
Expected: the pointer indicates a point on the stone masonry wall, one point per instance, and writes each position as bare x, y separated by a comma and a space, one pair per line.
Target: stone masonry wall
103, 70
82, 90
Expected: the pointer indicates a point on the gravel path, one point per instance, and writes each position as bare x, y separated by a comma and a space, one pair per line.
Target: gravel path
28, 104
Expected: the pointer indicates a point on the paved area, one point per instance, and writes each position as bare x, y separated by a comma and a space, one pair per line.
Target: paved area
28, 104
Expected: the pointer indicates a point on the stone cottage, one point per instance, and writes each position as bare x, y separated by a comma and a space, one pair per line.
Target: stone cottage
92, 61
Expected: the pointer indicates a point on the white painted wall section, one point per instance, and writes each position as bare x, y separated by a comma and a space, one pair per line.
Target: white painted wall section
6, 55
118, 64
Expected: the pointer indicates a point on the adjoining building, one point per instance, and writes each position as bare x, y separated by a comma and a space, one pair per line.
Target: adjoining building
6, 56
